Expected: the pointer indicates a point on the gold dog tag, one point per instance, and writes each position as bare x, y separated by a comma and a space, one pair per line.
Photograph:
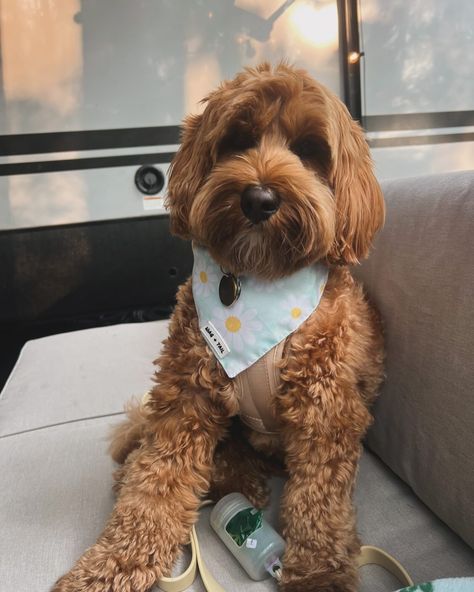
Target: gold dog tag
229, 289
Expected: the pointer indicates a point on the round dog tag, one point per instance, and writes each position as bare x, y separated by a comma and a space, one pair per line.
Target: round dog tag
229, 289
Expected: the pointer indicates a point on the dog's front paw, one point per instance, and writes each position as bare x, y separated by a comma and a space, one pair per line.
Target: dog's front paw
308, 570
253, 486
100, 570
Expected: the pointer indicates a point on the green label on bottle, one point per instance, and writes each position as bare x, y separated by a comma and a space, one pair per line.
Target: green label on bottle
243, 524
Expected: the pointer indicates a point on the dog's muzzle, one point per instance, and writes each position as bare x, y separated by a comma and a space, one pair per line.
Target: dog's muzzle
258, 203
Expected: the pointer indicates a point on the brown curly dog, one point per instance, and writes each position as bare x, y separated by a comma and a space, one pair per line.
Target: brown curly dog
278, 129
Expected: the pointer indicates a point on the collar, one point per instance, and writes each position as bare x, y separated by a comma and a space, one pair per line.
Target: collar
265, 313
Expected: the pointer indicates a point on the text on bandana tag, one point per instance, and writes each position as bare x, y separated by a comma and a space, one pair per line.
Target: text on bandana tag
215, 340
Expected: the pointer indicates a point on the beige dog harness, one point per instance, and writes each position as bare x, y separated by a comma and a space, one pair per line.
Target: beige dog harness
256, 388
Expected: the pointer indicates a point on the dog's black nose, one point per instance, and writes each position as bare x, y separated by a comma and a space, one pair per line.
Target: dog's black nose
259, 203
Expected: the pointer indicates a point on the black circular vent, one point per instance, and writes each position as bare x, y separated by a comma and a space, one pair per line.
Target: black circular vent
149, 180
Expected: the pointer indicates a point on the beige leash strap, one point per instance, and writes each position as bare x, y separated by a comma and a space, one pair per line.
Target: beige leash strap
184, 581
374, 556
368, 556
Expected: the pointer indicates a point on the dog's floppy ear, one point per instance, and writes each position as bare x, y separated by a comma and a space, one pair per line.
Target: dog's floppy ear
188, 170
360, 207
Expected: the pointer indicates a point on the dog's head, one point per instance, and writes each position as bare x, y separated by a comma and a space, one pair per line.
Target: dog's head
274, 175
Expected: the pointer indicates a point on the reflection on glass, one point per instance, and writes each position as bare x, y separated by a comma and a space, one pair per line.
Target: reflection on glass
249, 32
87, 64
430, 159
42, 83
418, 55
316, 26
41, 65
56, 198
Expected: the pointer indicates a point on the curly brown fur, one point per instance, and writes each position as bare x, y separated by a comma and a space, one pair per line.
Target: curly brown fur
280, 128
127, 435
239, 467
236, 466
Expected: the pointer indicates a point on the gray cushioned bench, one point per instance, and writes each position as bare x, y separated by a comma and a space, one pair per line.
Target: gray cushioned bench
66, 390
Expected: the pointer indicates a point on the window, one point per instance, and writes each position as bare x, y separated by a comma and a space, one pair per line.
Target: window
418, 97
100, 88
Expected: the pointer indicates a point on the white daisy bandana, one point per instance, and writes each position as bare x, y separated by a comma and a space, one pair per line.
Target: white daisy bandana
265, 313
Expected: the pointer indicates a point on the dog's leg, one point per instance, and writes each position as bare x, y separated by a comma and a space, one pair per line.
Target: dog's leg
164, 478
322, 428
157, 504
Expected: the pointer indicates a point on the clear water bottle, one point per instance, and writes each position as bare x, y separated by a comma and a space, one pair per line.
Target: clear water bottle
248, 536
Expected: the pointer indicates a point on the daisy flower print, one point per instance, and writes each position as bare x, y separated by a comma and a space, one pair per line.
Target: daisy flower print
295, 309
238, 325
204, 277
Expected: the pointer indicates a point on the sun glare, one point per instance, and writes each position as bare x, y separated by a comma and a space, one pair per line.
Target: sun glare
315, 26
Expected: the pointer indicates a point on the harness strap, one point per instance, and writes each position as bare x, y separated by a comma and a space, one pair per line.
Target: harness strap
256, 388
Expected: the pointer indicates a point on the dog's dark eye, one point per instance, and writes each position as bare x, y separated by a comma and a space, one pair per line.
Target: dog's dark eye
315, 151
237, 140
304, 148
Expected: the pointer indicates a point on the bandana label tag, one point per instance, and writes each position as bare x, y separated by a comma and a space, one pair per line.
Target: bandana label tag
215, 340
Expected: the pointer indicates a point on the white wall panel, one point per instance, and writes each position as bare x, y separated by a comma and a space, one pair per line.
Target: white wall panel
75, 196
